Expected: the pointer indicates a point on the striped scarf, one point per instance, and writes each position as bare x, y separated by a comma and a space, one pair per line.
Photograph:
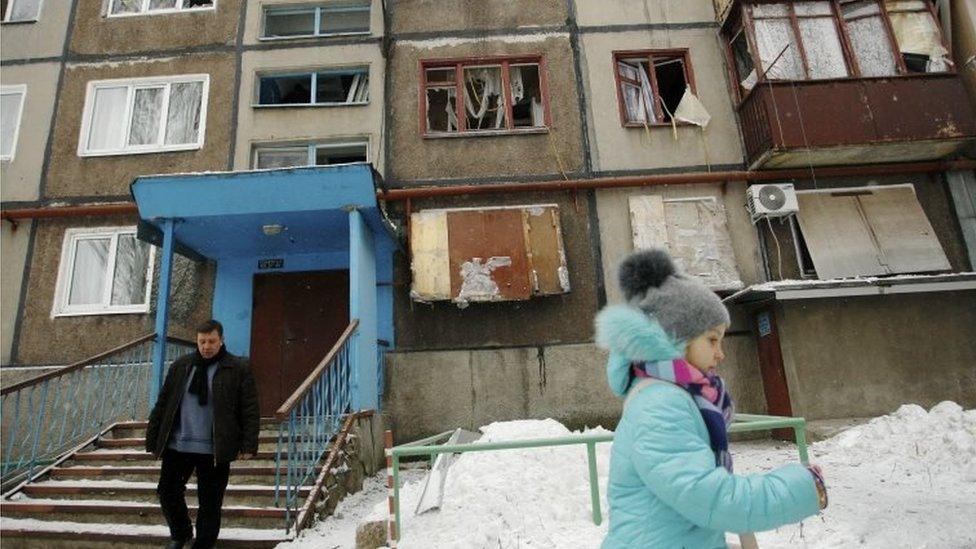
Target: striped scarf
708, 392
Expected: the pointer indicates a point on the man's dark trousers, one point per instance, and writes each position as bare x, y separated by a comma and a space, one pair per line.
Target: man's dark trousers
211, 483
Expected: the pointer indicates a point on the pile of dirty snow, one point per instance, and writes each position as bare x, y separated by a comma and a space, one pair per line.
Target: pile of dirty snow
902, 480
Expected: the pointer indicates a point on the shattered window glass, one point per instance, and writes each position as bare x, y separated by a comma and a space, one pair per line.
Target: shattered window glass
183, 120
778, 49
527, 109
342, 87
144, 127
825, 55
89, 271
286, 90
441, 110
669, 74
744, 66
131, 268
187, 4
343, 153
637, 95
483, 98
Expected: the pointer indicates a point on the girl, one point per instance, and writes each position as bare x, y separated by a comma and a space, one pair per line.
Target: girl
671, 481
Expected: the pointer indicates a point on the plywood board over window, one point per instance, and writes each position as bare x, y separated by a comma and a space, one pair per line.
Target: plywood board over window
693, 230
487, 254
868, 231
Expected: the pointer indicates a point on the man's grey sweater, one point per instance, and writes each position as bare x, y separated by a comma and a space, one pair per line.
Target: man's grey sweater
193, 433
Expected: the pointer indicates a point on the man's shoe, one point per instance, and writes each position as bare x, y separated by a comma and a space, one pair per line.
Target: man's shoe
176, 544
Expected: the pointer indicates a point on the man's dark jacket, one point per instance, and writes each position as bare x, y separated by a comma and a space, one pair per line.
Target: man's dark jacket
236, 414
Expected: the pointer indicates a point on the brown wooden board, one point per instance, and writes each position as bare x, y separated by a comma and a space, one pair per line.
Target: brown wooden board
771, 369
545, 249
476, 236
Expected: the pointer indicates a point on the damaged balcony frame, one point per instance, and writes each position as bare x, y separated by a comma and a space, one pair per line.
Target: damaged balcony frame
459, 65
652, 55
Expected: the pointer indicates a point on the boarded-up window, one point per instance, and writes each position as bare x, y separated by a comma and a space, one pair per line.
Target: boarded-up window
868, 231
695, 232
488, 254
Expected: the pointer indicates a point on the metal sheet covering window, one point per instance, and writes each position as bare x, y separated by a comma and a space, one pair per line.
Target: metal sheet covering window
868, 231
695, 232
487, 254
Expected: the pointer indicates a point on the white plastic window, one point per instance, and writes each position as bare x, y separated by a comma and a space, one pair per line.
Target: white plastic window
20, 10
310, 154
103, 271
334, 18
144, 115
121, 8
11, 108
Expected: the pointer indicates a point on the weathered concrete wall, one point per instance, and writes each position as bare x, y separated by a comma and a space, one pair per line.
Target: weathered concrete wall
418, 16
865, 356
616, 147
430, 392
565, 318
254, 21
97, 34
42, 38
933, 194
62, 340
14, 244
72, 175
616, 238
461, 156
22, 175
630, 12
266, 125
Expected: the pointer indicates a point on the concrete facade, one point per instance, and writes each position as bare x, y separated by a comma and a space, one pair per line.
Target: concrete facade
37, 40
22, 175
14, 245
865, 356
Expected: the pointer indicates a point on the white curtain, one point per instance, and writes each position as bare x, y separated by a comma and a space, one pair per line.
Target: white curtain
108, 119
89, 271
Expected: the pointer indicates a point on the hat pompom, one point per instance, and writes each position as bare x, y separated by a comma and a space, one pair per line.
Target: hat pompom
645, 269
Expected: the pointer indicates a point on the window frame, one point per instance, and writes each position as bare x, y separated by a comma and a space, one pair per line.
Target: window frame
504, 62
10, 8
313, 73
145, 11
683, 53
311, 147
745, 22
318, 9
20, 89
132, 84
66, 273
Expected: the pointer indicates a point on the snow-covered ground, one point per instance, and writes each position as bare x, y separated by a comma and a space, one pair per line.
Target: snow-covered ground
907, 479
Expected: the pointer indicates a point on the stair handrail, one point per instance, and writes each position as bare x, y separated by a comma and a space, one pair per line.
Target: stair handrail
90, 360
285, 409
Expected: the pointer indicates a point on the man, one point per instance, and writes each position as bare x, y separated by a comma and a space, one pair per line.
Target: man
206, 416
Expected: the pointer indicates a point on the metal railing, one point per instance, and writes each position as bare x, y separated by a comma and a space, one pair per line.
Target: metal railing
428, 447
47, 415
309, 419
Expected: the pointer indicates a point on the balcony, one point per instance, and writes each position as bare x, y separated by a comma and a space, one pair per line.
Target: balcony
855, 121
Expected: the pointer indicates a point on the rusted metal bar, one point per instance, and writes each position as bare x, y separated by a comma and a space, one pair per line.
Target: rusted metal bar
117, 208
675, 179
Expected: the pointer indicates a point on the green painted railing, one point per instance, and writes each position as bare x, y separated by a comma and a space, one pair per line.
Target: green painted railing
428, 447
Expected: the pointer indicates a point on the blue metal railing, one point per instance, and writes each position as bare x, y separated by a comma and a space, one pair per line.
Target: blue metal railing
308, 420
47, 415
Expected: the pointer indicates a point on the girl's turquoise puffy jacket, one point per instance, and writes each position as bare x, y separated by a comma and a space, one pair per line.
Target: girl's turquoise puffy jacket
665, 490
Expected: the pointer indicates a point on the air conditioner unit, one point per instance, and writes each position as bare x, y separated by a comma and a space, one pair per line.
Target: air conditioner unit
771, 200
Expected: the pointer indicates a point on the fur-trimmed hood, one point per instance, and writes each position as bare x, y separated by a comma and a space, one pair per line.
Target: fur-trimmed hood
631, 335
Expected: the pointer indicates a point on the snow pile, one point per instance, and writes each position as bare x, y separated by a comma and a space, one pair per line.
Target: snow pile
536, 497
912, 441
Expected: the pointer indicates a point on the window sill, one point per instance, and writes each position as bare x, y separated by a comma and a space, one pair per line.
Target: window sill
313, 36
194, 147
24, 22
484, 133
308, 105
101, 312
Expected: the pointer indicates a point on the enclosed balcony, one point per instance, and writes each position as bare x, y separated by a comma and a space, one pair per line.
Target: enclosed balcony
836, 82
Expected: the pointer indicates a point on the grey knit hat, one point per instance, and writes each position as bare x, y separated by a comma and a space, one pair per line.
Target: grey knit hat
683, 305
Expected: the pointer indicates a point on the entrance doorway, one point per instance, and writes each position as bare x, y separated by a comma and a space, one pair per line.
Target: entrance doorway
296, 319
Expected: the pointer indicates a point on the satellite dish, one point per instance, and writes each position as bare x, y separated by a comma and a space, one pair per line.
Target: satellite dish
772, 197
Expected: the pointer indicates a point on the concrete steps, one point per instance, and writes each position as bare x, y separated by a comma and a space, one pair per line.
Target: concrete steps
104, 495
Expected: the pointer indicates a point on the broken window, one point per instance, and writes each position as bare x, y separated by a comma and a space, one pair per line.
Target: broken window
310, 154
487, 254
868, 231
486, 102
333, 18
798, 40
20, 10
652, 96
136, 7
693, 230
144, 115
333, 87
11, 108
103, 271
745, 70
918, 36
